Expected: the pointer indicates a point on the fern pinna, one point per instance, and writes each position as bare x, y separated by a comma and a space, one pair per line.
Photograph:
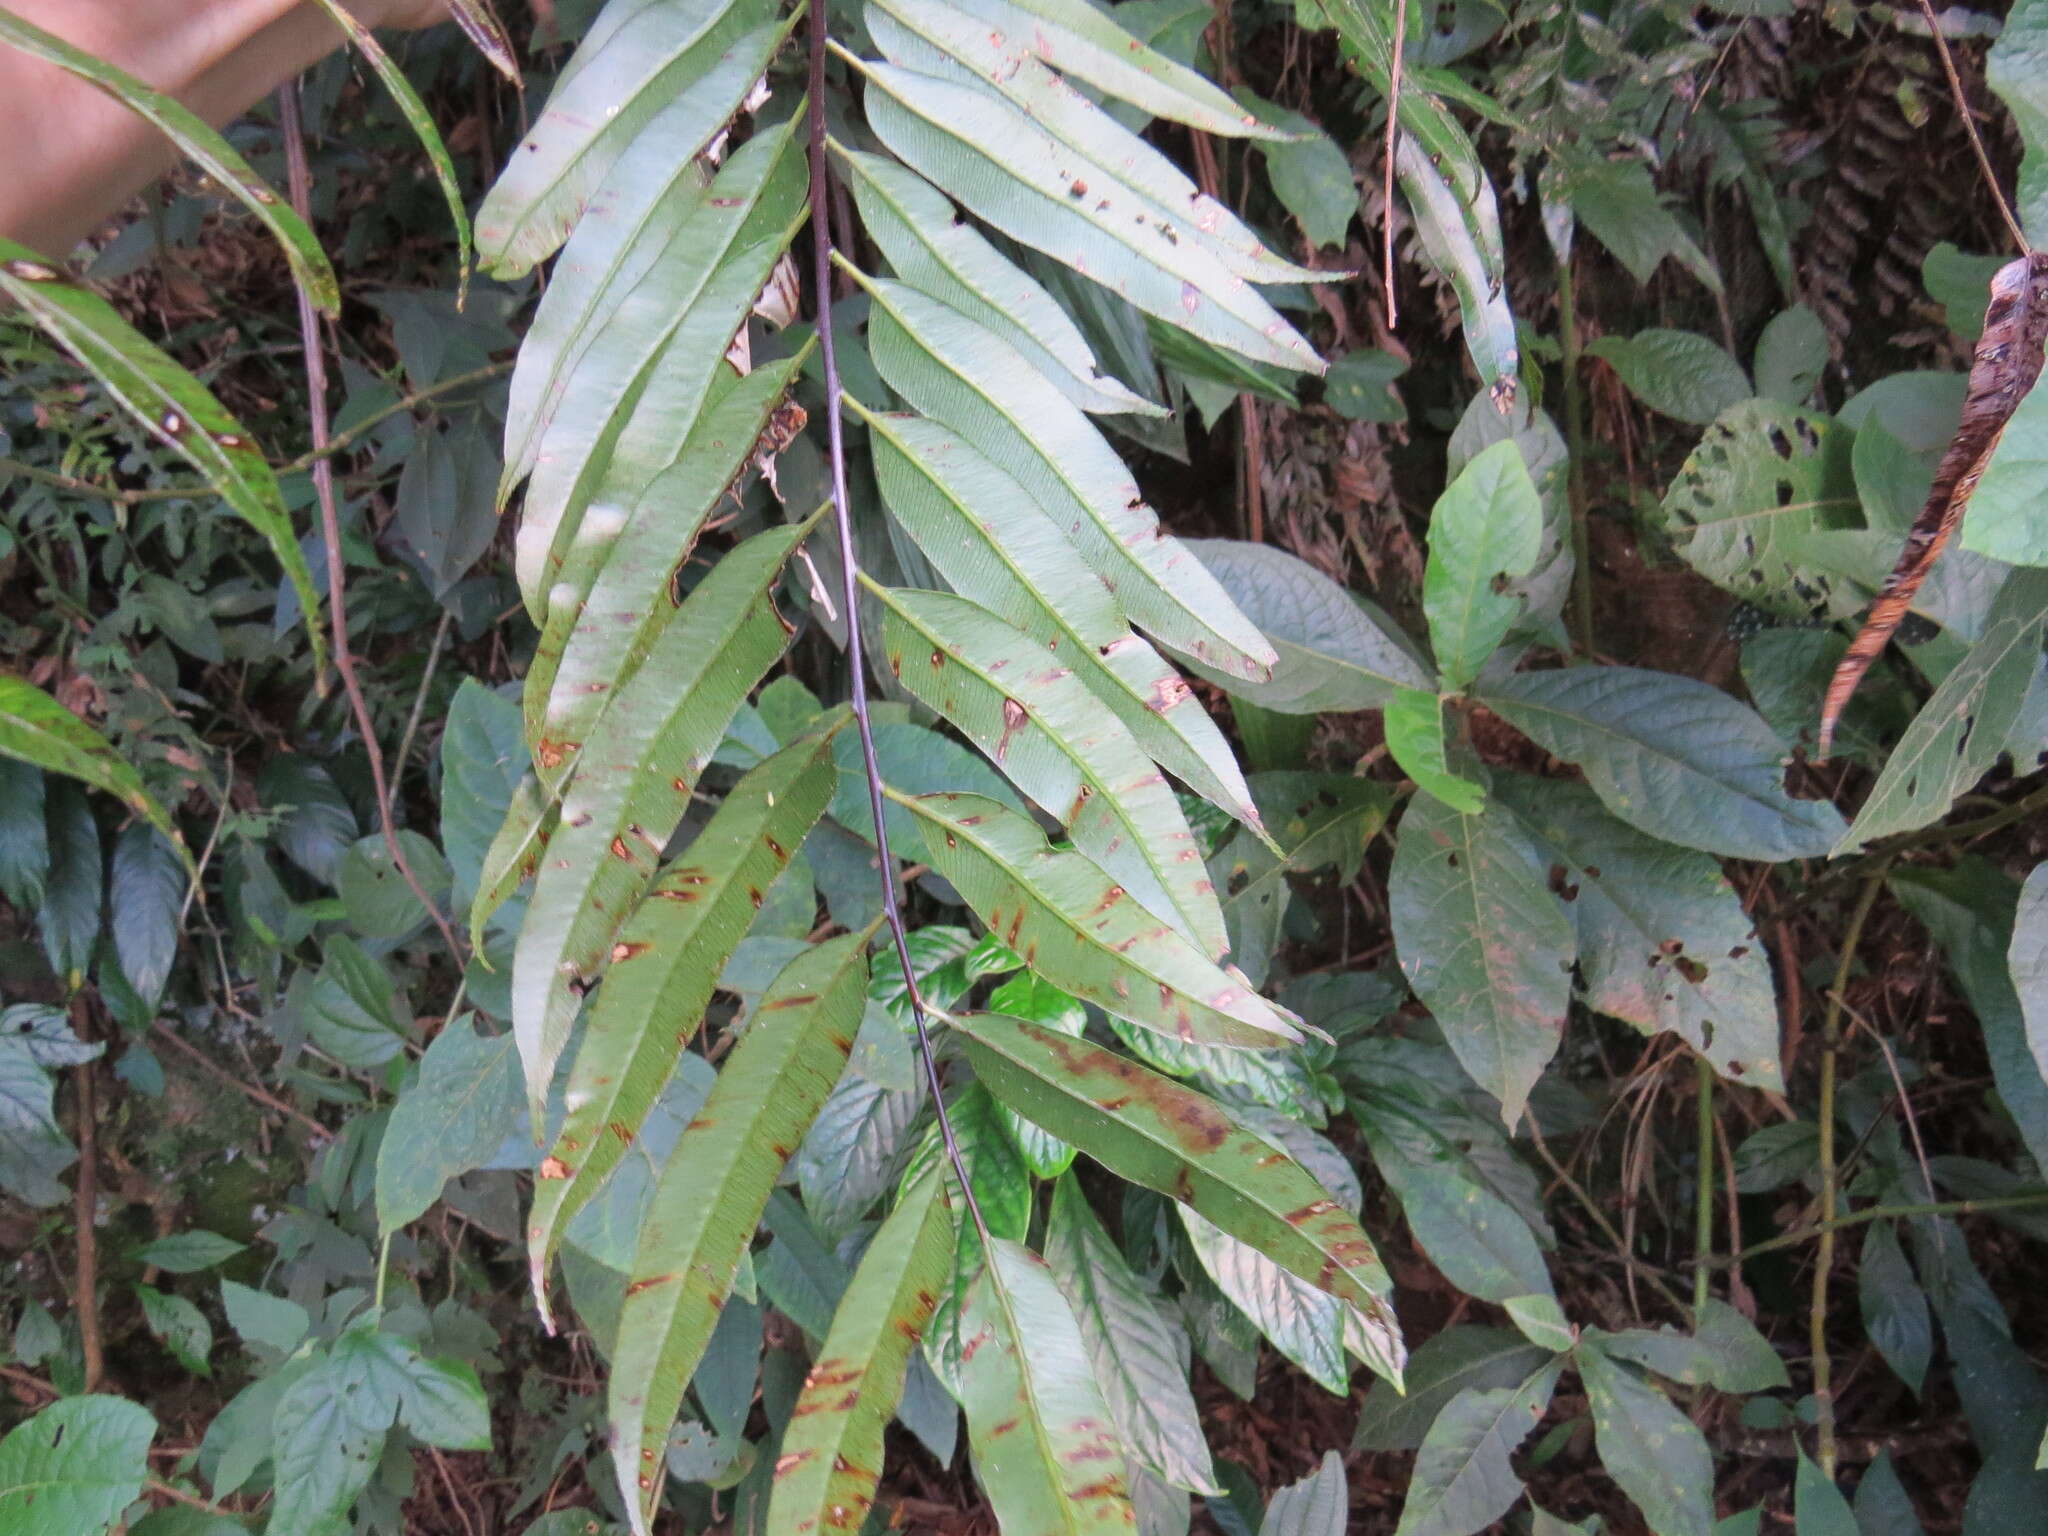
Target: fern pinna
940, 500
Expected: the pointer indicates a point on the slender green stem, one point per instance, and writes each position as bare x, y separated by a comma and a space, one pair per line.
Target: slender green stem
1870, 1213
1703, 1200
1575, 439
1824, 1256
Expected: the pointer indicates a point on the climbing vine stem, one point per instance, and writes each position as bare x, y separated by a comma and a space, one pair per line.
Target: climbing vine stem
849, 588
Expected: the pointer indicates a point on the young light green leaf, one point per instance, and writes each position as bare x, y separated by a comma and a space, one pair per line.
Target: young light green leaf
1657, 1455
1678, 373
199, 142
1152, 1131
914, 225
1136, 1352
1043, 1447
1071, 921
1026, 996
831, 1457
995, 546
1663, 940
1483, 942
1962, 728
642, 761
1415, 738
74, 1467
1334, 652
969, 378
712, 1194
1763, 478
1671, 756
1486, 528
1463, 1480
663, 967
175, 408
1059, 745
449, 1122
647, 78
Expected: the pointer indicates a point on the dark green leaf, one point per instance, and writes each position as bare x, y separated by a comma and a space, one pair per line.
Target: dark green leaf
1463, 1356
1679, 373
188, 1253
1672, 757
145, 902
1484, 943
1653, 1451
1895, 1314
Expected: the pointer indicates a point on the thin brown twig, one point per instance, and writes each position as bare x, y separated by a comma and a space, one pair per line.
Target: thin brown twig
24, 1379
300, 181
1955, 86
1393, 143
261, 1096
85, 1208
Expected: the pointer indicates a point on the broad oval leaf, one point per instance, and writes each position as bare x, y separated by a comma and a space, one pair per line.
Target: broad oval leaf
1671, 756
1059, 745
176, 409
1076, 926
1663, 940
1044, 1450
994, 545
1334, 653
712, 1194
636, 777
1153, 1131
201, 143
1656, 1453
1463, 1479
145, 900
1483, 942
452, 1120
831, 1457
1486, 529
969, 378
1446, 1364
1680, 373
663, 967
1763, 479
75, 1466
